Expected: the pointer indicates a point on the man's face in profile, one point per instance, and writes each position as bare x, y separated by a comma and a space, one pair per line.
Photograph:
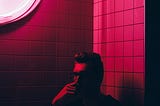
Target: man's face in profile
84, 73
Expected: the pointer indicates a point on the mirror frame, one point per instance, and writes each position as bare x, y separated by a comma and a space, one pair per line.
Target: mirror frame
19, 13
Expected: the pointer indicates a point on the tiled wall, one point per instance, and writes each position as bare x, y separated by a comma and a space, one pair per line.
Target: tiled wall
119, 38
36, 53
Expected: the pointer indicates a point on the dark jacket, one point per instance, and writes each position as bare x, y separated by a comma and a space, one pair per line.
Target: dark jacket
104, 100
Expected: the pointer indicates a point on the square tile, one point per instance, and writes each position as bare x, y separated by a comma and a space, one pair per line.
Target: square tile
128, 80
139, 15
128, 32
128, 17
139, 31
110, 49
128, 4
110, 34
110, 64
139, 65
110, 20
138, 48
118, 79
110, 78
128, 48
119, 61
119, 34
119, 5
118, 18
139, 80
118, 48
128, 64
110, 6
139, 3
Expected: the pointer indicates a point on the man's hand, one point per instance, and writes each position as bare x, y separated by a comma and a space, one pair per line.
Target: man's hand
67, 89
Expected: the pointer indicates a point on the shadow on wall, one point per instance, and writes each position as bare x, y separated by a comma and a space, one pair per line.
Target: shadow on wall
131, 97
17, 24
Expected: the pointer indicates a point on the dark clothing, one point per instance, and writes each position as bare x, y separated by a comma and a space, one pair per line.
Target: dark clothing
103, 100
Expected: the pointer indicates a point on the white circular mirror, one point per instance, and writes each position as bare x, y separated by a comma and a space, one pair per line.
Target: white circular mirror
13, 10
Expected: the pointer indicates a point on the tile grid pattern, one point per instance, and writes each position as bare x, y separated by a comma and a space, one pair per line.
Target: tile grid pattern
36, 53
119, 38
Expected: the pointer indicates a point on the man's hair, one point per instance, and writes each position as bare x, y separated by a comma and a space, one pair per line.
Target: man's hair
95, 60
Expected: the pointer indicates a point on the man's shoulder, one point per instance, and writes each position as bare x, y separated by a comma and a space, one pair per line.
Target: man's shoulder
109, 100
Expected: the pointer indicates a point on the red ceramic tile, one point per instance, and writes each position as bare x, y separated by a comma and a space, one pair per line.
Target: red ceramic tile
138, 3
139, 48
119, 61
127, 93
46, 34
96, 36
118, 79
119, 19
110, 78
7, 63
27, 48
119, 5
85, 23
100, 36
118, 48
84, 34
128, 80
100, 6
96, 48
119, 34
110, 34
110, 6
139, 80
128, 48
128, 32
105, 7
96, 1
104, 35
49, 48
139, 64
128, 64
128, 4
110, 49
100, 22
103, 49
118, 93
105, 63
110, 20
128, 17
82, 7
96, 22
139, 31
110, 64
139, 15
104, 21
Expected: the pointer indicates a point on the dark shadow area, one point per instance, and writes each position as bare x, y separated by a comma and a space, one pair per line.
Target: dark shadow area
131, 97
152, 65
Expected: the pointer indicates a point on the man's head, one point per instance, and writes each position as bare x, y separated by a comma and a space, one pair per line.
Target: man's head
88, 68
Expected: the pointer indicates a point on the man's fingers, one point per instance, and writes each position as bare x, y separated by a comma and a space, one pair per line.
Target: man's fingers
70, 92
75, 81
71, 87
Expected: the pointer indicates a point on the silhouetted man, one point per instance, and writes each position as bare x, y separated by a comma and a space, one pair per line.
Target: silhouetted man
85, 89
